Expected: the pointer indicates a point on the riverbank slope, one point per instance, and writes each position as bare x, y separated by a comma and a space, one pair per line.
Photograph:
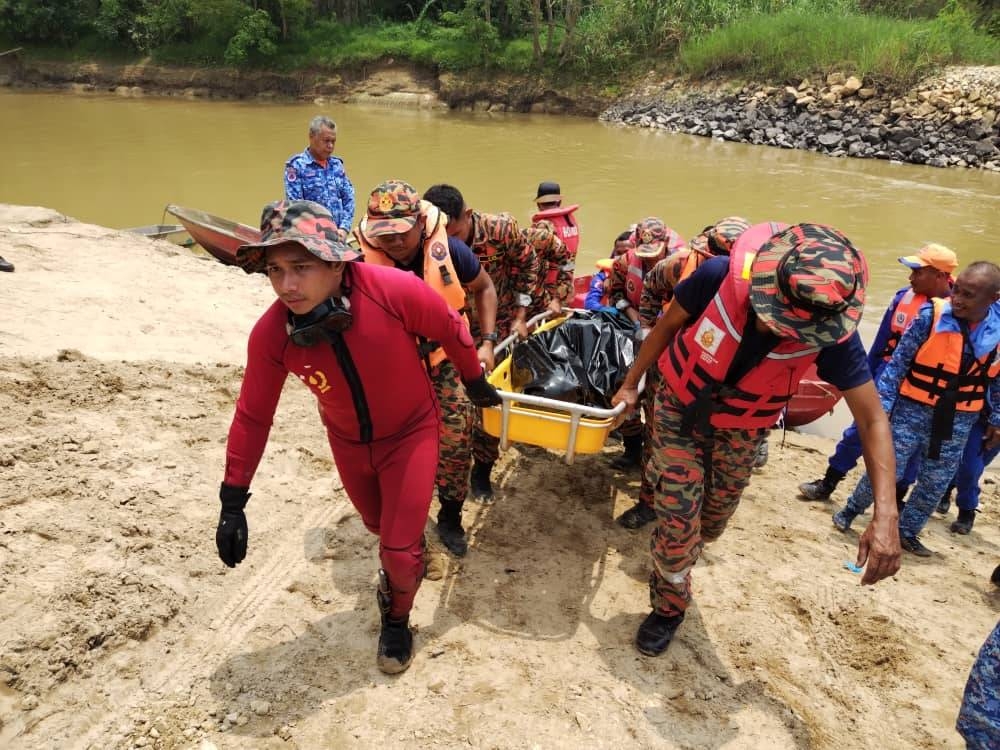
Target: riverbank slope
122, 629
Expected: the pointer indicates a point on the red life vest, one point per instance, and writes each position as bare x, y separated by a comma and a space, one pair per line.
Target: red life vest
439, 271
938, 364
696, 362
566, 227
904, 314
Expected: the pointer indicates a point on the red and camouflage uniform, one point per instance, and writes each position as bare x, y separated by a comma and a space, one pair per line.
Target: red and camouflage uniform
616, 285
554, 262
457, 414
658, 285
688, 519
457, 421
511, 262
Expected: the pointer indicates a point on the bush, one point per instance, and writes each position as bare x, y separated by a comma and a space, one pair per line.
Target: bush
53, 21
253, 40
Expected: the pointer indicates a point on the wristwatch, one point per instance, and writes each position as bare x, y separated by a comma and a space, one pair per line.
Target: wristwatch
492, 337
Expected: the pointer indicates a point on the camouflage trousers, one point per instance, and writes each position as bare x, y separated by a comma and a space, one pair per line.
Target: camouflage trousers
697, 481
455, 453
648, 401
485, 447
911, 436
979, 717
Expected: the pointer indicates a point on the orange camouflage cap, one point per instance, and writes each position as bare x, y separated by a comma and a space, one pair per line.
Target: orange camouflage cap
650, 237
393, 208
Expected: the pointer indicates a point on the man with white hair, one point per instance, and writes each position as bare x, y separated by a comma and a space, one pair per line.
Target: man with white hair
317, 175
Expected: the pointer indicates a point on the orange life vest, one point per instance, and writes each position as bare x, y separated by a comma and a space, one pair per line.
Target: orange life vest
937, 369
695, 364
439, 271
904, 314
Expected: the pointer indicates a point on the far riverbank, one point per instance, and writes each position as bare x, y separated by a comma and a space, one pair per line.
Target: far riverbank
948, 120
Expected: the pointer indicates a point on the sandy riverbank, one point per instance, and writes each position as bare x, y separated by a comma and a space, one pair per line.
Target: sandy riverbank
121, 361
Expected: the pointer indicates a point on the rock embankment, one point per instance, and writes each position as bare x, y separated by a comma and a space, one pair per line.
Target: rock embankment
952, 119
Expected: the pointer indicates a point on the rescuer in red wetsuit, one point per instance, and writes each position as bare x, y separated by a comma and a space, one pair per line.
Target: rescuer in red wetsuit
350, 333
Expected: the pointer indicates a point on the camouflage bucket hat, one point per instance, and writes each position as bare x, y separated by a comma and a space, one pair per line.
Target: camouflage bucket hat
650, 237
302, 223
393, 208
808, 284
723, 235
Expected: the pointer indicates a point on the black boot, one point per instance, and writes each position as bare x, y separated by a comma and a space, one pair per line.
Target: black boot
6, 265
395, 641
995, 578
449, 527
482, 488
395, 645
944, 504
821, 489
656, 632
637, 516
966, 518
632, 457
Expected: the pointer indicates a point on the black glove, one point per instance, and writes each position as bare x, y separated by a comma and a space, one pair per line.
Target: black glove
231, 536
481, 393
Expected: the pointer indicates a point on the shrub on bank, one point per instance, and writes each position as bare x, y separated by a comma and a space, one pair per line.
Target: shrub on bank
791, 44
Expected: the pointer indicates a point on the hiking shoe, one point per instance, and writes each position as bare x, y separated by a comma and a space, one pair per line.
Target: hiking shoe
912, 544
637, 516
395, 645
6, 265
479, 481
760, 460
966, 519
842, 519
818, 490
656, 632
452, 536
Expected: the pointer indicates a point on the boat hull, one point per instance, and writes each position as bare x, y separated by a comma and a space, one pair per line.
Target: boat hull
175, 233
219, 237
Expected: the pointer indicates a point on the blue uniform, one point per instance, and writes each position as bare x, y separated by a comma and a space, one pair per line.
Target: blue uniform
596, 291
979, 718
911, 423
974, 460
307, 180
848, 451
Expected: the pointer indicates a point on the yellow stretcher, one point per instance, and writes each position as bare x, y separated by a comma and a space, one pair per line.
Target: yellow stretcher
546, 422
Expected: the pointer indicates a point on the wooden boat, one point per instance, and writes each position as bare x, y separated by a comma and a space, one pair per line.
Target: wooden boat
814, 398
218, 236
175, 233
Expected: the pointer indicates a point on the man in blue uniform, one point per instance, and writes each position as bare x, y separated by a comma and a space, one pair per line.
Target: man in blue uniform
317, 175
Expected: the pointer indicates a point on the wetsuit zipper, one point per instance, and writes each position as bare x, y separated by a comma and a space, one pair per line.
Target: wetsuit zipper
346, 363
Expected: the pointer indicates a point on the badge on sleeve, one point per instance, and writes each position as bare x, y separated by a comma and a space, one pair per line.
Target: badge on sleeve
290, 174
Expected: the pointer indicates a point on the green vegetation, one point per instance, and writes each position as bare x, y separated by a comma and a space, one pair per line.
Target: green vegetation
890, 50
601, 41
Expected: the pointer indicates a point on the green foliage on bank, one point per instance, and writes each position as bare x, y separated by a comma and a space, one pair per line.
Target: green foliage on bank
591, 40
890, 50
